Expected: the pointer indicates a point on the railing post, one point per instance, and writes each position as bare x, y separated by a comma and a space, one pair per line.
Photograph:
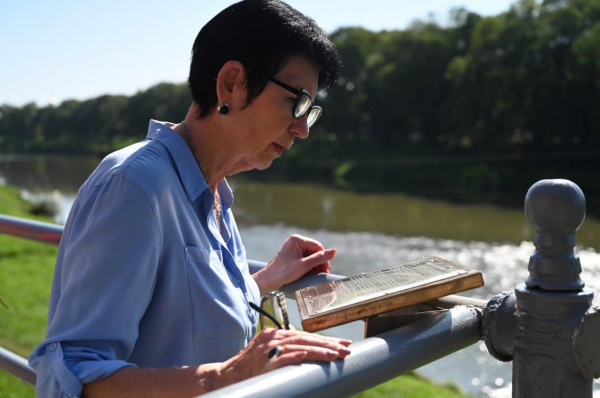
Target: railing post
548, 327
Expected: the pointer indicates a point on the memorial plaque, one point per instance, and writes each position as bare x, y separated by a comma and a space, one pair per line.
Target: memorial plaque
383, 290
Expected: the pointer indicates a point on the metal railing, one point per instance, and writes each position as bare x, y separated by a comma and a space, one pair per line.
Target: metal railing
17, 366
373, 360
547, 327
29, 229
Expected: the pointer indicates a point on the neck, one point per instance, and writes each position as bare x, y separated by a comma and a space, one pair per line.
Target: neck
208, 147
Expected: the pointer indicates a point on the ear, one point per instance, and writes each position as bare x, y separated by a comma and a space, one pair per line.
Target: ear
231, 84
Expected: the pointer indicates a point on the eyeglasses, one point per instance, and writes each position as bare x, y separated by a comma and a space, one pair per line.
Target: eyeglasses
302, 104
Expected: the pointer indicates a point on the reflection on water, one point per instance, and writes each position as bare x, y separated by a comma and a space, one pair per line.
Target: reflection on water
369, 231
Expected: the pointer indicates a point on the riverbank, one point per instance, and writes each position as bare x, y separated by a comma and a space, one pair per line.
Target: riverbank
26, 269
463, 178
499, 179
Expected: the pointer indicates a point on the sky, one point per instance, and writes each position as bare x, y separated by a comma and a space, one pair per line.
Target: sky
53, 50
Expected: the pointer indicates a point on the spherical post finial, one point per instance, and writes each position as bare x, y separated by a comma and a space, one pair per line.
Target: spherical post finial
555, 206
556, 209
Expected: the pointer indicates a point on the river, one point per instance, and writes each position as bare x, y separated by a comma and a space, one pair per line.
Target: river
369, 231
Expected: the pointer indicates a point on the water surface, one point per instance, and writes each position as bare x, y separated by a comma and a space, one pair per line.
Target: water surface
369, 231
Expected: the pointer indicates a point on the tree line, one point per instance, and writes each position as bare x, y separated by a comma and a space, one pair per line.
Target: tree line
527, 79
524, 81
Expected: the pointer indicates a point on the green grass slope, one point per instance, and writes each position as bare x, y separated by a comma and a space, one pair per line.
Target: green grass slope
25, 278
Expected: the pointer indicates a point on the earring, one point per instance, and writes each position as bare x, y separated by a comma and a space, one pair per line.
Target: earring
223, 109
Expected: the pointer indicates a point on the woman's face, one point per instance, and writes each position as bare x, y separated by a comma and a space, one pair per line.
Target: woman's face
267, 125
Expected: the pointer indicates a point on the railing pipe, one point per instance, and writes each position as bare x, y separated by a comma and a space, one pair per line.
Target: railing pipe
372, 361
306, 281
35, 230
17, 366
461, 327
51, 233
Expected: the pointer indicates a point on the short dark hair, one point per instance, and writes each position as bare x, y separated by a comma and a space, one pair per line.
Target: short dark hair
263, 35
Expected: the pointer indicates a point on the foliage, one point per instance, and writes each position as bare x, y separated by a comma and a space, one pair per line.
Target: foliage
519, 86
525, 80
99, 125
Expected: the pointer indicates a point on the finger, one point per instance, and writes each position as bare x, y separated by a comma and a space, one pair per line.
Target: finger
325, 267
267, 334
308, 245
286, 359
336, 340
281, 334
318, 258
316, 353
323, 354
314, 341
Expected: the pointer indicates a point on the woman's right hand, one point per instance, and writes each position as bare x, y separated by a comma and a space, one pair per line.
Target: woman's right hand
295, 347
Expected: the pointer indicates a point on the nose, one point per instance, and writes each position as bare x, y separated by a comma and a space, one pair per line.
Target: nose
299, 127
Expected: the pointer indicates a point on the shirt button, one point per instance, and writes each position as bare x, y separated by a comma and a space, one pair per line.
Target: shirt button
52, 347
236, 280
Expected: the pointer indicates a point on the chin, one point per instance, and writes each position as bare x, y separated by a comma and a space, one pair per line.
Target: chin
263, 165
258, 162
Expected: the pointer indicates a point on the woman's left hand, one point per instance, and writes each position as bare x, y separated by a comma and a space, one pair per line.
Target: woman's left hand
293, 347
297, 256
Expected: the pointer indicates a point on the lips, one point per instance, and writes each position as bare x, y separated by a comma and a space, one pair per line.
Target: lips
278, 148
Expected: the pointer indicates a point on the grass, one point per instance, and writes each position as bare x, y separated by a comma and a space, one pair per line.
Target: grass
25, 278
26, 269
412, 385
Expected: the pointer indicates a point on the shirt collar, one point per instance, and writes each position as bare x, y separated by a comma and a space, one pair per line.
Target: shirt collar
192, 179
225, 193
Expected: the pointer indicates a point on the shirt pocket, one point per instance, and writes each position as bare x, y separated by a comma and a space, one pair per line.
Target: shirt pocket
218, 309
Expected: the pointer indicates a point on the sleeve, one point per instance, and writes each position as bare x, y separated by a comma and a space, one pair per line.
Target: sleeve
104, 280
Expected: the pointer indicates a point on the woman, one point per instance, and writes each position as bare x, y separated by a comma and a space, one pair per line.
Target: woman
151, 290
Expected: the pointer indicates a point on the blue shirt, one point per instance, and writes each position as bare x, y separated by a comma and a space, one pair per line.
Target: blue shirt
143, 275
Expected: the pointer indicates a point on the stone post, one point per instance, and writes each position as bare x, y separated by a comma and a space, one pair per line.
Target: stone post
548, 327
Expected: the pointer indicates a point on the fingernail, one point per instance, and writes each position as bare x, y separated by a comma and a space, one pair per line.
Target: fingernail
332, 353
344, 351
331, 252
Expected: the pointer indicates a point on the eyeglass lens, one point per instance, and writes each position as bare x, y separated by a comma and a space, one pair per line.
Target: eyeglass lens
303, 106
313, 116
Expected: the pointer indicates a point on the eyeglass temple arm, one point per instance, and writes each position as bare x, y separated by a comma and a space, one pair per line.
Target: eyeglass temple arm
277, 82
